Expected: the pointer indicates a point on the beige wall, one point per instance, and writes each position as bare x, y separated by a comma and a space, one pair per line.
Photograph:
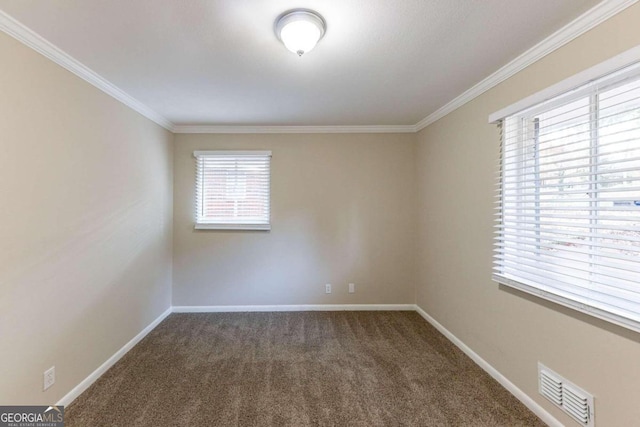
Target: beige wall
85, 225
342, 211
456, 162
86, 232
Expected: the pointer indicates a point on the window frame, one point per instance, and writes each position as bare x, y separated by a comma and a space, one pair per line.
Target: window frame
587, 84
216, 223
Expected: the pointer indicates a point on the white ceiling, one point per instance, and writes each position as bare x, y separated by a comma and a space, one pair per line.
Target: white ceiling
217, 62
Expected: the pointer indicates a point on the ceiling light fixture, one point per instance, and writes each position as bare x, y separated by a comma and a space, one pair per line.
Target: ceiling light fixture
300, 29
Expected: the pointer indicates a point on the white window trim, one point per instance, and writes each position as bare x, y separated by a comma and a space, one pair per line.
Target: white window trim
232, 153
218, 226
580, 83
211, 225
609, 66
567, 302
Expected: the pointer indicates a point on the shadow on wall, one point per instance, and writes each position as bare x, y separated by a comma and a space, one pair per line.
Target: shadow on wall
110, 262
602, 324
284, 256
301, 248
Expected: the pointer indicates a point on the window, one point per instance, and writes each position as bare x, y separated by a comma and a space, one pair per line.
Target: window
233, 190
569, 199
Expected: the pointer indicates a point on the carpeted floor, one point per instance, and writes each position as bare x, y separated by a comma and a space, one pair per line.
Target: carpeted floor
296, 369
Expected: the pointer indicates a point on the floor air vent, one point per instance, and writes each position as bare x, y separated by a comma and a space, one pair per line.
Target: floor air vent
577, 403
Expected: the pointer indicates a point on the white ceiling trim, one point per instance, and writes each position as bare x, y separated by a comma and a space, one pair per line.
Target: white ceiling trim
594, 16
295, 129
36, 42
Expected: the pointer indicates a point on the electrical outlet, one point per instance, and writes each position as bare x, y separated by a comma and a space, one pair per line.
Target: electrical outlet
49, 377
352, 288
327, 288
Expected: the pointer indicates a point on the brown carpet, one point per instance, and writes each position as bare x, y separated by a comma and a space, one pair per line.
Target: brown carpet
296, 369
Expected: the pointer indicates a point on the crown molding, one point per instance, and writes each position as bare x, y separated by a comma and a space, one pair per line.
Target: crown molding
588, 20
36, 42
594, 16
294, 129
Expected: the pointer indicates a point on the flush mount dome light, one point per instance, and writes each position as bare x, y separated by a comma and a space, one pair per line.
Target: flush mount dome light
299, 30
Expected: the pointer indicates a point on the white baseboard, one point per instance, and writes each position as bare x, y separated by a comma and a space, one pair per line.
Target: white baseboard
77, 390
513, 389
303, 307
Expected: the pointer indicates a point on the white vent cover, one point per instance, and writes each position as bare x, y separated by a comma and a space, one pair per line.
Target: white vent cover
577, 403
551, 386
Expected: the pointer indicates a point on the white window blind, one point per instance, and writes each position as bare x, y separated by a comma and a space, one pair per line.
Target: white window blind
569, 199
233, 190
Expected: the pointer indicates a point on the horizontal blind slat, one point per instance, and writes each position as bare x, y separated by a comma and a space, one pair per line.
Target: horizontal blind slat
518, 230
568, 196
232, 188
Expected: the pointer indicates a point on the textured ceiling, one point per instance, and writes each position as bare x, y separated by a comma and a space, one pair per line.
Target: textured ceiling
218, 62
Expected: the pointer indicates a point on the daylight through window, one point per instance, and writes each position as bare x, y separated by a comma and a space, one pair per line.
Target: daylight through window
569, 199
233, 189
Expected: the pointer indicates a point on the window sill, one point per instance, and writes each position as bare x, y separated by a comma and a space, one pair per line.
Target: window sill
263, 227
599, 313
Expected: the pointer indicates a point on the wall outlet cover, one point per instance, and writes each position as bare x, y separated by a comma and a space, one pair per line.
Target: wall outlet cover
49, 377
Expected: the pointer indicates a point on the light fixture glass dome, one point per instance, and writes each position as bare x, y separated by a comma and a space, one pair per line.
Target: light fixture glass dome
300, 30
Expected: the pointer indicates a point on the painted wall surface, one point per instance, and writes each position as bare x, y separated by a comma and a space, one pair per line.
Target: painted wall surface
342, 210
85, 225
457, 161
